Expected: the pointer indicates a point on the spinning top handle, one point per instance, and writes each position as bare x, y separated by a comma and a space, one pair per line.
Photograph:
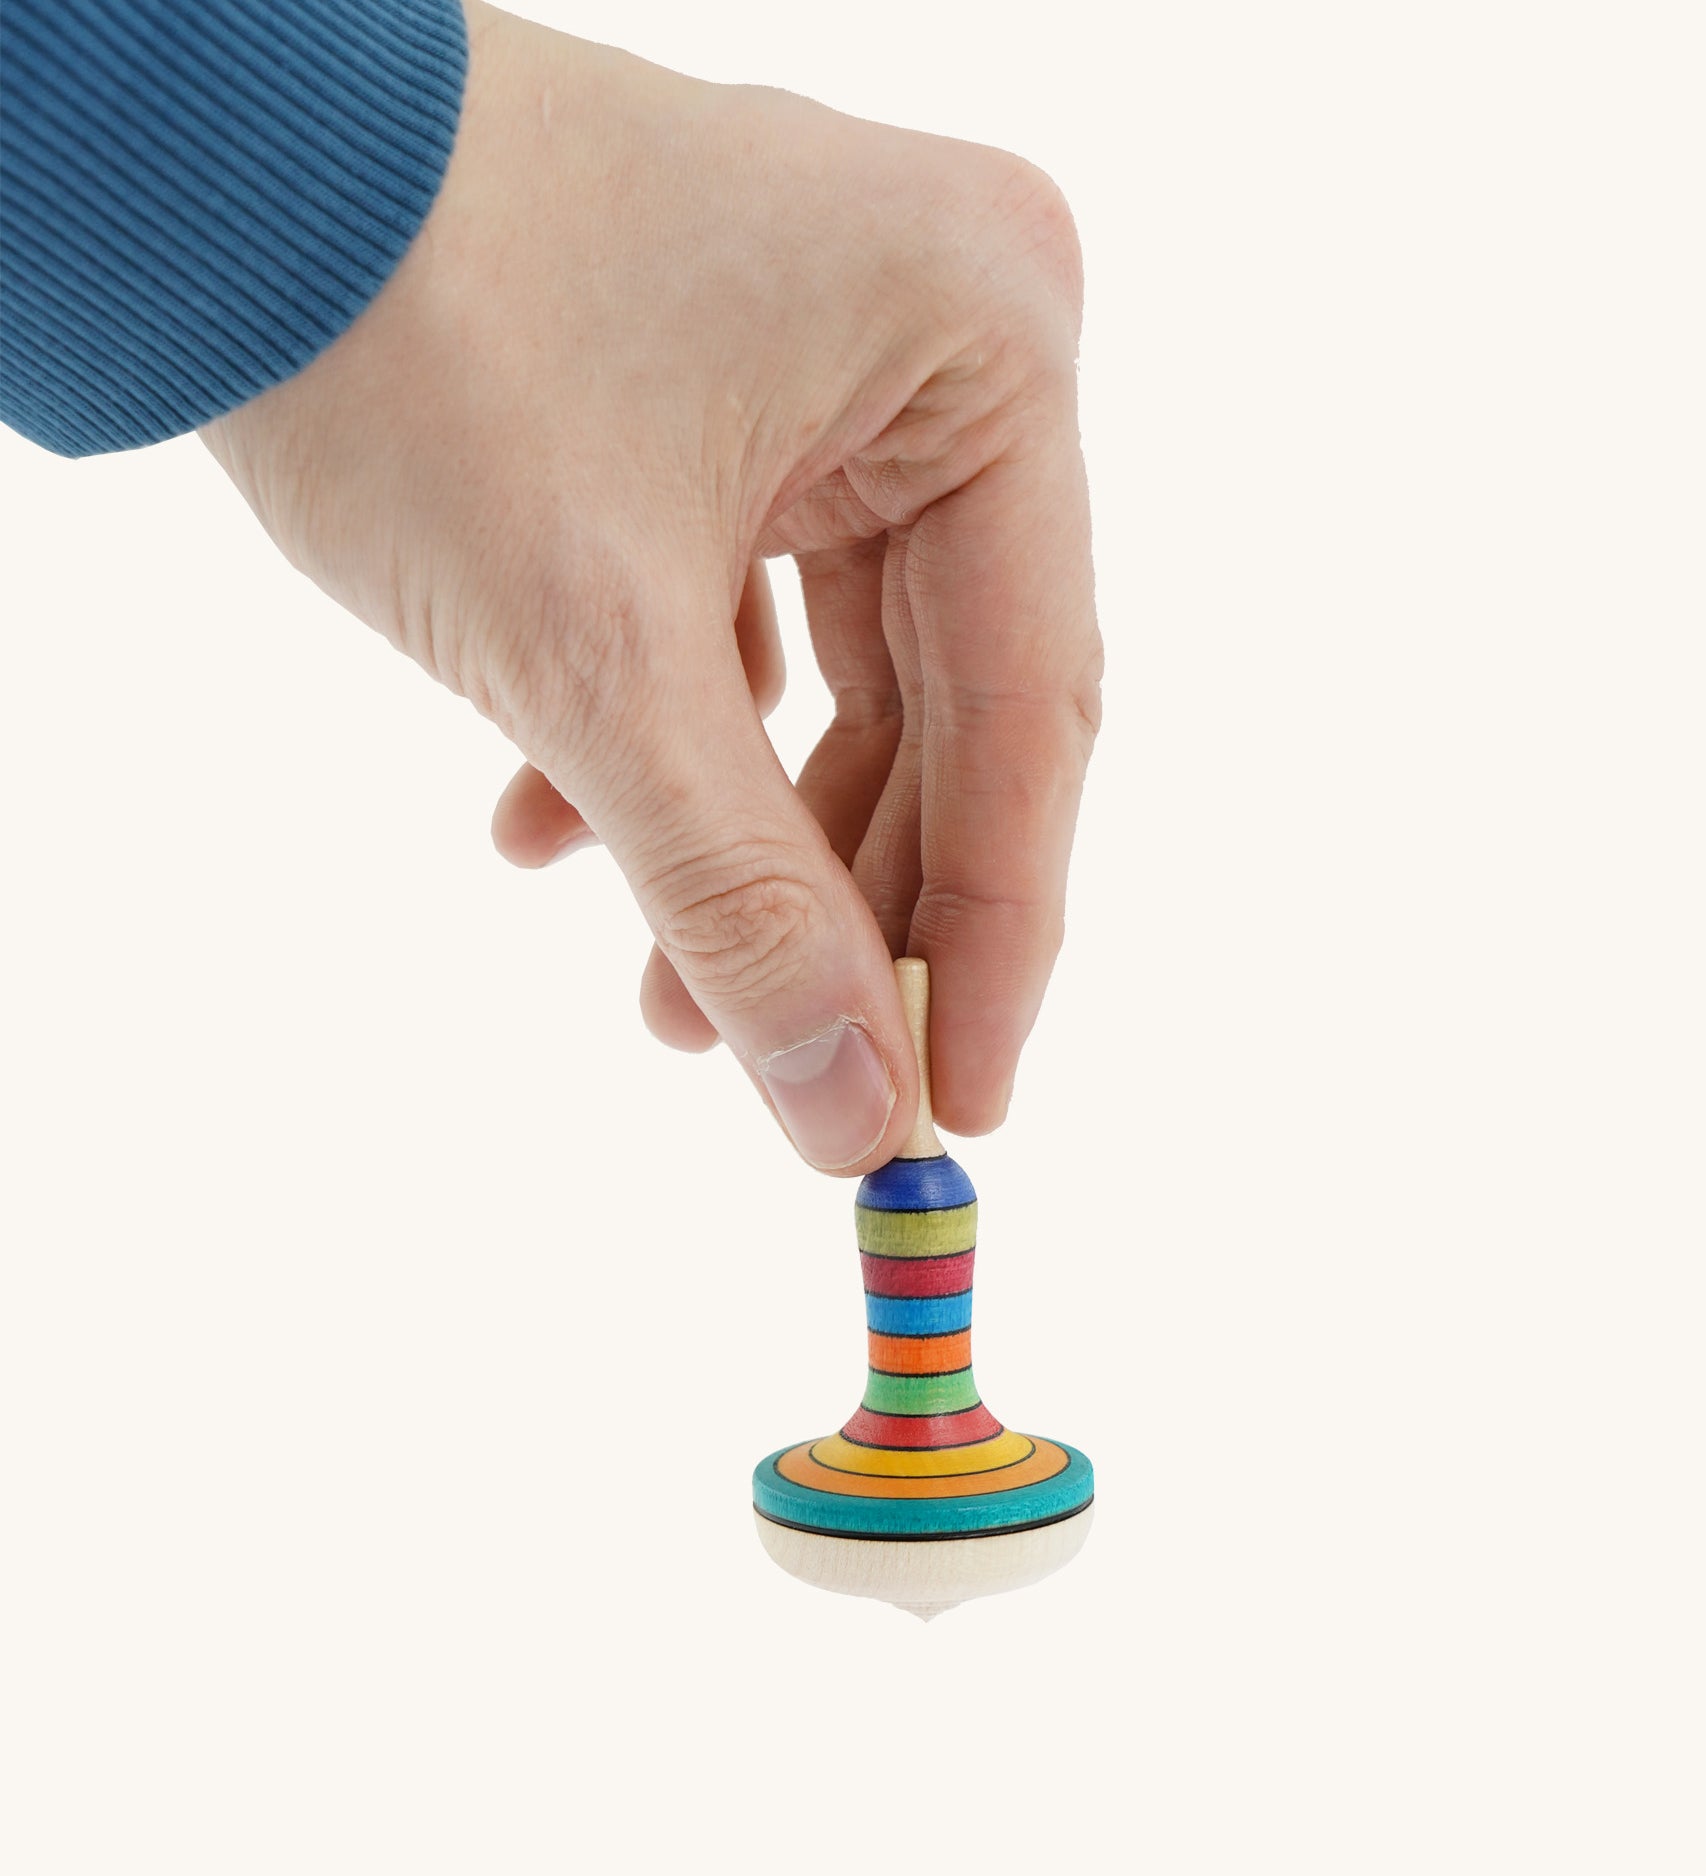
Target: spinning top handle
912, 977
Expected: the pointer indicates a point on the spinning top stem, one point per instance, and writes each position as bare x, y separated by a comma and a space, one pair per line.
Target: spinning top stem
912, 978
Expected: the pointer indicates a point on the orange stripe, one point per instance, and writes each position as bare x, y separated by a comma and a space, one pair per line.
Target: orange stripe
920, 1354
800, 1468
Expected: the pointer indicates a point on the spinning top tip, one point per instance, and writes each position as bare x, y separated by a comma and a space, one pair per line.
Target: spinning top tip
926, 1579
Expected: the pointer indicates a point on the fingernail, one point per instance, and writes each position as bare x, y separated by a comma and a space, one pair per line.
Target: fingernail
833, 1093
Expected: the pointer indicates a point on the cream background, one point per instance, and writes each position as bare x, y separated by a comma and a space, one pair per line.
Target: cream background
1352, 1211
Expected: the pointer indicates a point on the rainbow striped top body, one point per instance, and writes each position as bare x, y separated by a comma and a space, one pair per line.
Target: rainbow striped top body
923, 1457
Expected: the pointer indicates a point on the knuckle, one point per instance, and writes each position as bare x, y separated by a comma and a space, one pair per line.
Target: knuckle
1031, 925
1038, 206
1086, 697
1031, 223
738, 924
1030, 737
870, 709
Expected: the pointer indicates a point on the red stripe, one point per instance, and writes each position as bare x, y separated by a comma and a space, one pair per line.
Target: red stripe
924, 1430
917, 1276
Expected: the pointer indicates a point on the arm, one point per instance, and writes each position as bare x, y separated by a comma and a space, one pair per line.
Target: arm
196, 200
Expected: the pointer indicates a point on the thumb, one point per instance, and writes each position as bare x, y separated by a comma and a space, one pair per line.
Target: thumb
760, 919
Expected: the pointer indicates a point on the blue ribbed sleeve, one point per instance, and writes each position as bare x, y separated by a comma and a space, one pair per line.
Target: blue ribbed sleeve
197, 196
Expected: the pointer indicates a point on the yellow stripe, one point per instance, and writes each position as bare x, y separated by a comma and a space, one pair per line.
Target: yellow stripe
799, 1468
917, 1234
878, 1462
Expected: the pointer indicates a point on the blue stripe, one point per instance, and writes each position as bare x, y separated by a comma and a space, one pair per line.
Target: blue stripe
918, 1315
916, 1185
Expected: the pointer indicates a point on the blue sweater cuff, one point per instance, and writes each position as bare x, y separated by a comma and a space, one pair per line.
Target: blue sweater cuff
198, 196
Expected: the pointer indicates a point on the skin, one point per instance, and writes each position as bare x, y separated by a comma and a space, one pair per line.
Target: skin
653, 332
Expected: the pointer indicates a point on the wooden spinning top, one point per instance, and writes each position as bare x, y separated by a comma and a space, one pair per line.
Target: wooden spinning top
923, 1498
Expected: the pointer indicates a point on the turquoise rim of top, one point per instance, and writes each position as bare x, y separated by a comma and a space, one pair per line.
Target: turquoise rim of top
977, 1514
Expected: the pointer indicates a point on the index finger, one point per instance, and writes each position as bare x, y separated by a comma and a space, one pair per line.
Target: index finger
998, 580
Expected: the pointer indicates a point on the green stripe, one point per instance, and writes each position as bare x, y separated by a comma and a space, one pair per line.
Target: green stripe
917, 1234
920, 1393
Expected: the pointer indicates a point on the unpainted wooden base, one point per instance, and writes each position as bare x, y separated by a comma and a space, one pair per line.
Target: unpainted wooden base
926, 1578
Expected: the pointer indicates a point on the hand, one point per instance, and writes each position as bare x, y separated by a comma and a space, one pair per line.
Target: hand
653, 331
